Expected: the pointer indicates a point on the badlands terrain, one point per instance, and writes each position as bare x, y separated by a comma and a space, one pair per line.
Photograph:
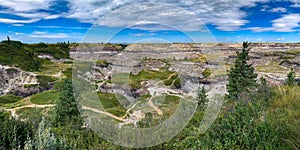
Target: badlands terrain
129, 77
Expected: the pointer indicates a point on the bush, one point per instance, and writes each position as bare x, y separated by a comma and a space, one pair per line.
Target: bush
242, 128
206, 73
13, 133
46, 82
290, 80
102, 63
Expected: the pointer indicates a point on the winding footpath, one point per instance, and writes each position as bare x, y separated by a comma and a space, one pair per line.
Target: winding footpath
13, 110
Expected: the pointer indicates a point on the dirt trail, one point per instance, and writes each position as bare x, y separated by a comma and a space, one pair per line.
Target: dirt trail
133, 118
13, 110
104, 113
150, 102
158, 111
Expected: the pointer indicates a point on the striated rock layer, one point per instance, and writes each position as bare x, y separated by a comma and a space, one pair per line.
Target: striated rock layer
18, 82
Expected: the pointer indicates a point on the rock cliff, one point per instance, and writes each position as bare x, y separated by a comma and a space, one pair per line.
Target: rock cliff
18, 82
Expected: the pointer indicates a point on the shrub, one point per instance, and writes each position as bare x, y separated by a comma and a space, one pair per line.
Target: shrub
290, 80
46, 82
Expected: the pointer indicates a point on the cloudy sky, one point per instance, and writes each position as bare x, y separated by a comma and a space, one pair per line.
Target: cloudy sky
138, 20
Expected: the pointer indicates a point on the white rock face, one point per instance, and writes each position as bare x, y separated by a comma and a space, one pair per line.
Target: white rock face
14, 80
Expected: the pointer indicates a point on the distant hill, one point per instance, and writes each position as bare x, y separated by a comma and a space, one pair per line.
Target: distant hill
25, 56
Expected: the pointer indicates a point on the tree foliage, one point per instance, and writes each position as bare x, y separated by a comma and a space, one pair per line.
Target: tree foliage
66, 109
202, 98
241, 76
13, 133
290, 80
44, 139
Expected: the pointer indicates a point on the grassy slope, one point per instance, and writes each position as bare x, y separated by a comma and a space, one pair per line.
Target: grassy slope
8, 99
19, 57
47, 97
25, 57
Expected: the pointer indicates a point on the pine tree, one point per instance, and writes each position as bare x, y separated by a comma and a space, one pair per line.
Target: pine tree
8, 40
241, 76
202, 99
67, 112
290, 80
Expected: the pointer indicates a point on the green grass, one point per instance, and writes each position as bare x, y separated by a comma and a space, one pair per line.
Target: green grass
282, 54
35, 114
102, 63
201, 59
53, 68
108, 100
111, 104
272, 67
171, 99
117, 111
218, 72
135, 80
171, 80
20, 103
206, 73
68, 73
284, 114
212, 56
47, 97
8, 99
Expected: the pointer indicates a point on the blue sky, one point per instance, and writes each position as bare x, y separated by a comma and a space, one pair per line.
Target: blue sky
128, 21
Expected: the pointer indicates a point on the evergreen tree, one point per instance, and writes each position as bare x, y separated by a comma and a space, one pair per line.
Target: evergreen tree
202, 99
67, 112
241, 76
290, 80
8, 40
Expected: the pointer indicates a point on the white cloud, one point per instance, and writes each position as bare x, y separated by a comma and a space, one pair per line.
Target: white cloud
278, 9
13, 21
149, 16
38, 15
62, 27
188, 15
280, 39
18, 25
296, 3
142, 34
46, 35
225, 14
265, 8
19, 33
25, 5
29, 10
286, 23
